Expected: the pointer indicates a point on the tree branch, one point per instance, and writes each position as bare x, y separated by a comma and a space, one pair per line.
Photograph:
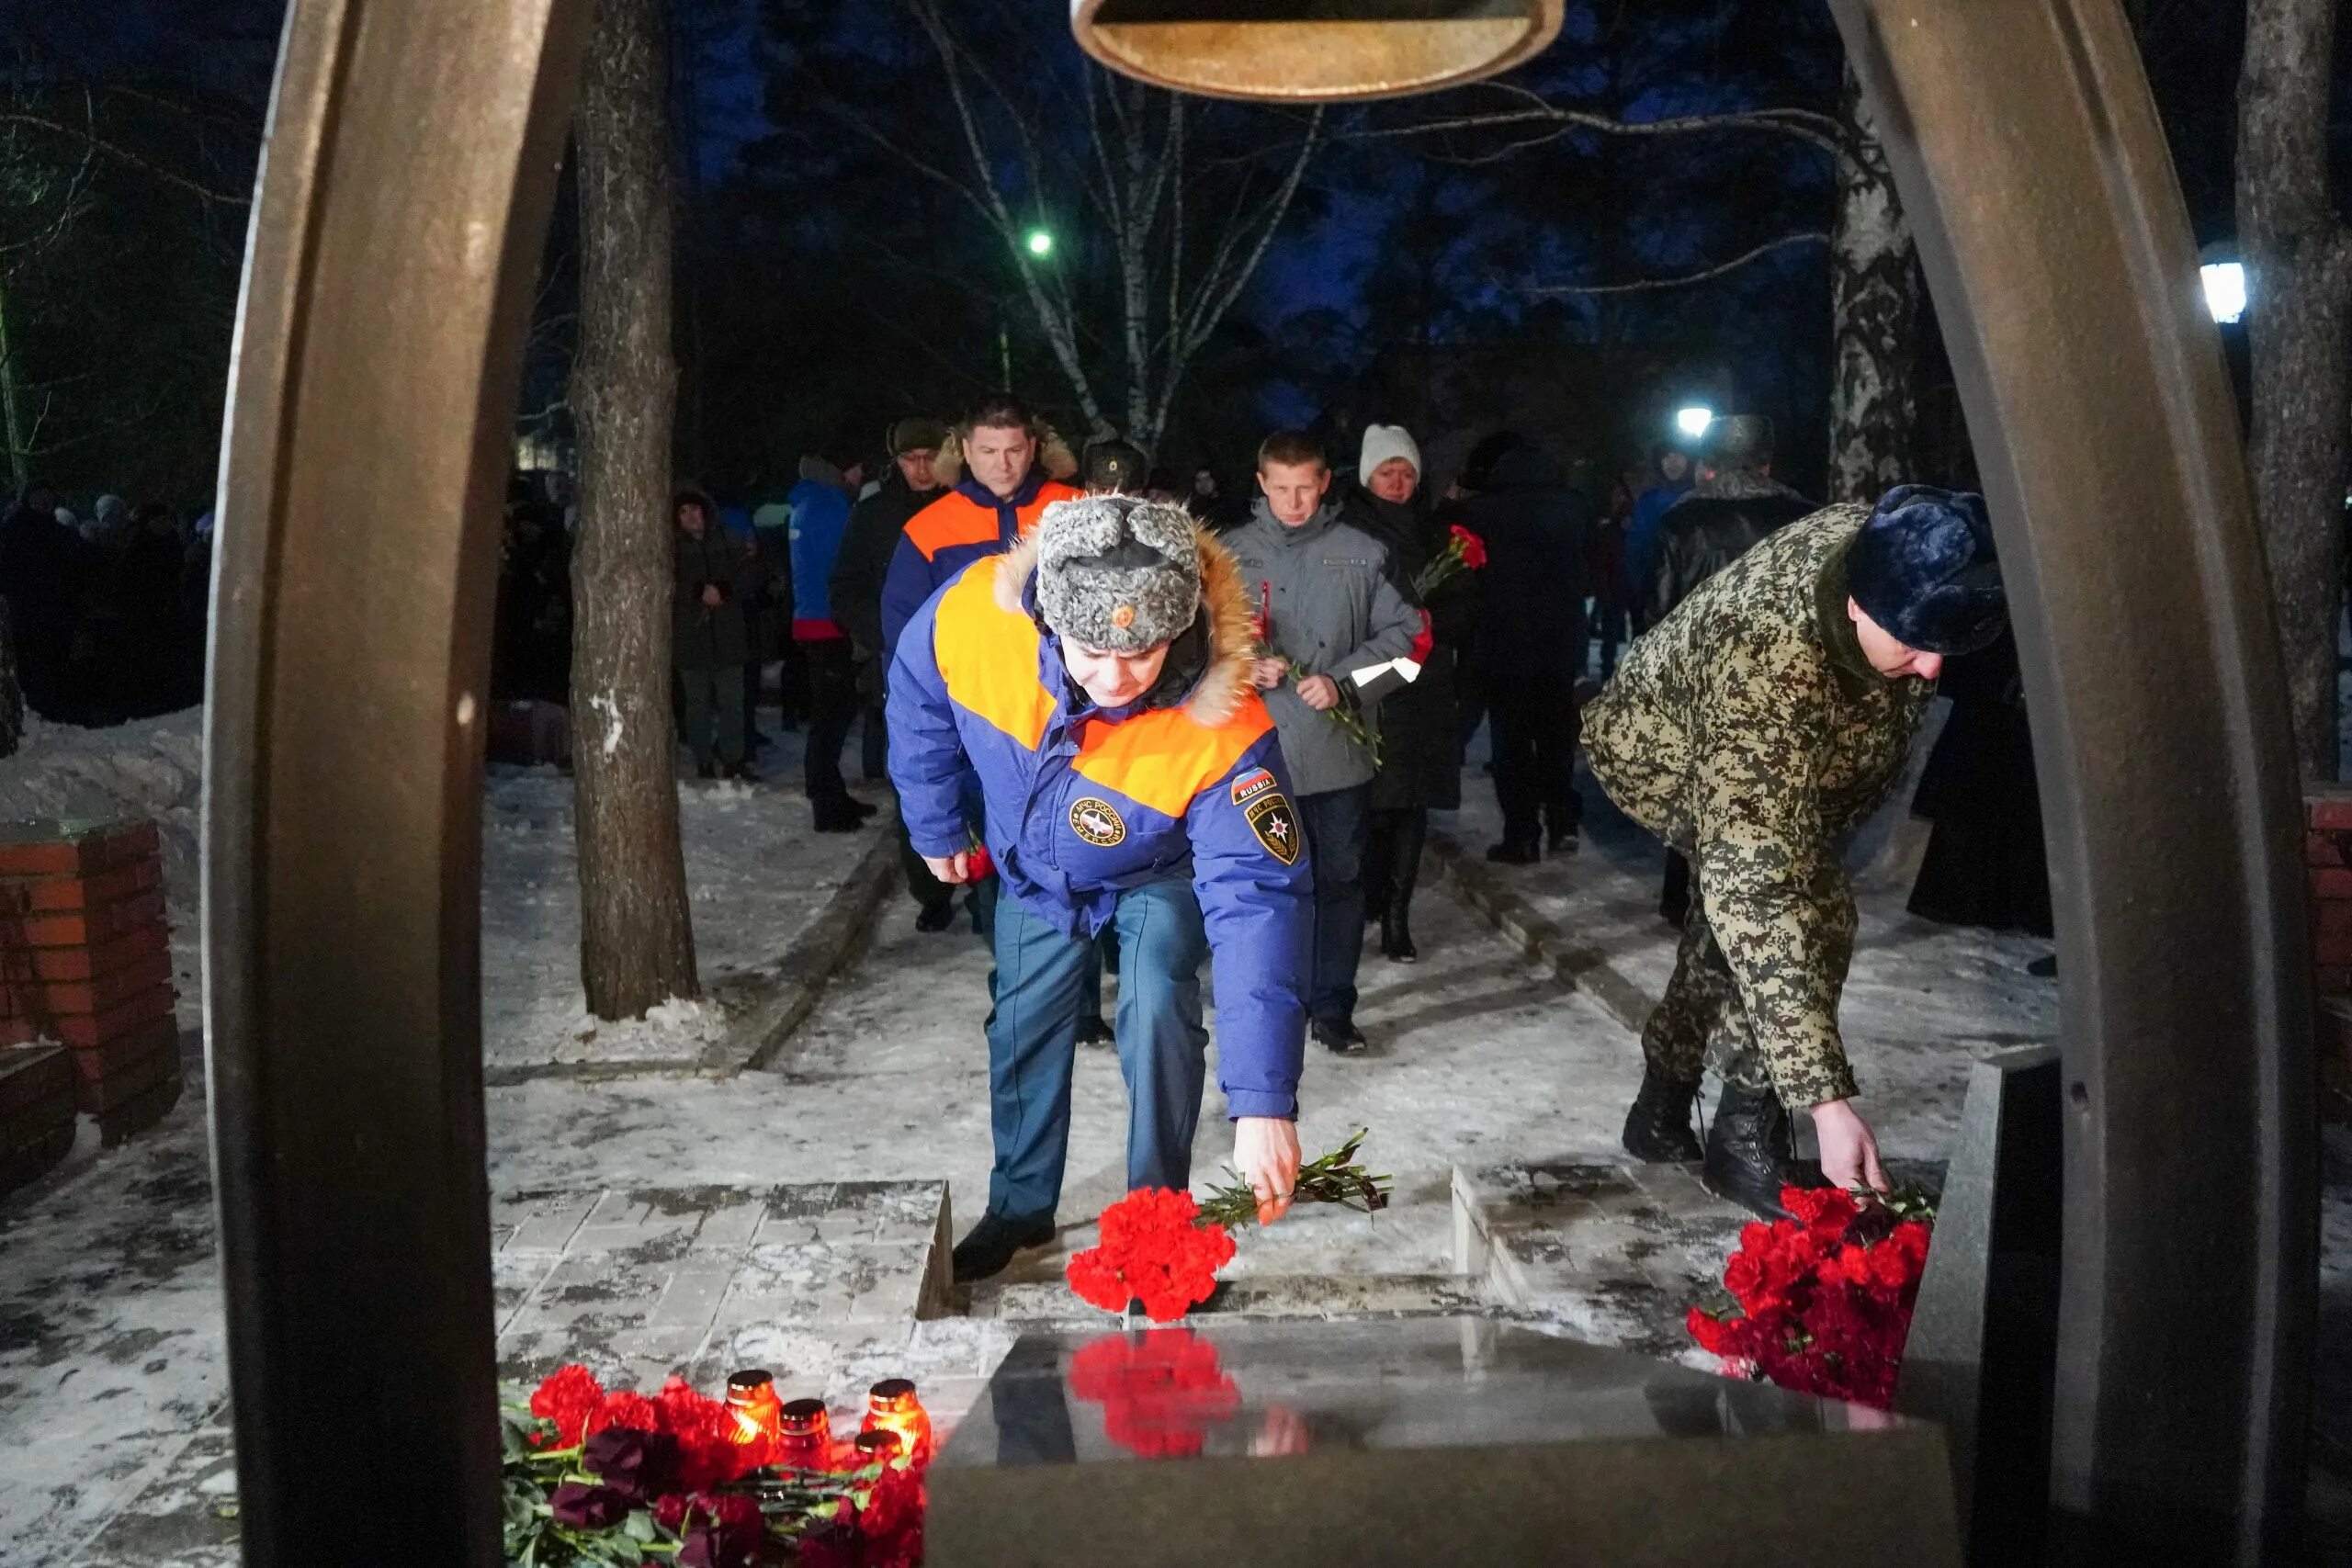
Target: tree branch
1808, 237
123, 156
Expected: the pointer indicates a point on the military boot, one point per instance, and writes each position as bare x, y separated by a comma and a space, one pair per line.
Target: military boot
1658, 1128
1752, 1152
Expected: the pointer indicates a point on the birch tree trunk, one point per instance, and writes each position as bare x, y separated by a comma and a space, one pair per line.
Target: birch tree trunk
1875, 315
636, 932
2299, 290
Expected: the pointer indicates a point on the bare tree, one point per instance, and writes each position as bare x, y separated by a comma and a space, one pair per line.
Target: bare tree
1875, 289
1186, 225
636, 932
2299, 289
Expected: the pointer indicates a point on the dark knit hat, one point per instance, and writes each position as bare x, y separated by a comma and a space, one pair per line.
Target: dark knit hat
917, 435
1739, 441
1924, 569
1117, 573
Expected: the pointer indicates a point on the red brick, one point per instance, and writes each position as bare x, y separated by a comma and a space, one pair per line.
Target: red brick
33, 1073
2322, 850
129, 1082
89, 926
69, 848
49, 894
132, 1044
72, 998
17, 1030
2326, 882
85, 963
140, 1112
102, 1027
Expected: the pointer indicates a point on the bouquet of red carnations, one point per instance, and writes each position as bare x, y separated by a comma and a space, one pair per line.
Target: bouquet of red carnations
592, 1477
1464, 551
1823, 1301
1160, 1247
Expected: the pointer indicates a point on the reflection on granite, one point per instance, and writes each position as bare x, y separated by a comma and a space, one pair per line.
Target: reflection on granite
1417, 1439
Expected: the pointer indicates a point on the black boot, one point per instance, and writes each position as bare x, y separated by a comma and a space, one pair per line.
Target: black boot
1094, 1032
1752, 1152
1341, 1038
1397, 937
993, 1243
1516, 852
1658, 1128
932, 918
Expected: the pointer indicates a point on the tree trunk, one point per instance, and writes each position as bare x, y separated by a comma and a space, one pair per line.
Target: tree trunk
12, 415
1874, 303
636, 932
2298, 291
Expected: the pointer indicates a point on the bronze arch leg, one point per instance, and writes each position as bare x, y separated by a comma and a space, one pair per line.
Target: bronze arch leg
411, 158
2028, 154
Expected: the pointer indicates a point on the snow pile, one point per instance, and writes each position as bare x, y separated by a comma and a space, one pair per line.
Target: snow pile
151, 767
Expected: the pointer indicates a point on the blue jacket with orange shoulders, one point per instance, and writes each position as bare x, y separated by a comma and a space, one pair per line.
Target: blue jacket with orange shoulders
968, 522
1083, 803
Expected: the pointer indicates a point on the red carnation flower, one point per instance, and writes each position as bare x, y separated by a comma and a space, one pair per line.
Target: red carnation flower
568, 1398
1473, 550
625, 1408
1424, 640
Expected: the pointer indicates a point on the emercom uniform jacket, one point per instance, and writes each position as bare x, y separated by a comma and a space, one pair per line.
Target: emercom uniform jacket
968, 522
1748, 730
1334, 611
1083, 803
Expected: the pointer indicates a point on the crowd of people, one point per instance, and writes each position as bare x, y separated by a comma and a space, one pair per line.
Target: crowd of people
106, 608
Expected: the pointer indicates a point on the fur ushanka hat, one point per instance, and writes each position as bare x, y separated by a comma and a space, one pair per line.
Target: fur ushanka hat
1924, 569
1117, 573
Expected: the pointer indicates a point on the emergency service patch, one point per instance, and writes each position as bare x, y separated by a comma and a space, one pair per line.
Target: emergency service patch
1095, 820
1276, 825
1251, 784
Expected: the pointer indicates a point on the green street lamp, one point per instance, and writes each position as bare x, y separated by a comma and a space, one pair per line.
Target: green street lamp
1041, 243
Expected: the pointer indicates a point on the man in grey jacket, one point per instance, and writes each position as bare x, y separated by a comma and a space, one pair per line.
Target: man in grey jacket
1330, 614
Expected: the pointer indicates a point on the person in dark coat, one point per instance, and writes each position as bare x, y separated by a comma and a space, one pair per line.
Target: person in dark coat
40, 572
1420, 756
1986, 863
708, 638
909, 484
1734, 501
1531, 640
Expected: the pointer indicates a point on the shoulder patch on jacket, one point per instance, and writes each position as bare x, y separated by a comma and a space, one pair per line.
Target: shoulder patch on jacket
1276, 825
1251, 784
1097, 821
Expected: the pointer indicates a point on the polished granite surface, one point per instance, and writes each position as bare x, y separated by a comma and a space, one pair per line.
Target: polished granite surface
1290, 1388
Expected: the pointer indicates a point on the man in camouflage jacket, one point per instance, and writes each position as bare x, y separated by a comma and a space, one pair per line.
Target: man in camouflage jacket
1769, 715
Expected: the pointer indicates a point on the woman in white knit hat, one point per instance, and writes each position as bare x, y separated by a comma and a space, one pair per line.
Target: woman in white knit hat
1419, 753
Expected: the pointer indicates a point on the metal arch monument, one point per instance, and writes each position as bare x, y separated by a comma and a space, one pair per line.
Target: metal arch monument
409, 166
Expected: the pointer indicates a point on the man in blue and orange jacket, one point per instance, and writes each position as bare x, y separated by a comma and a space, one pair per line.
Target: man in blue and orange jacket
1097, 682
993, 506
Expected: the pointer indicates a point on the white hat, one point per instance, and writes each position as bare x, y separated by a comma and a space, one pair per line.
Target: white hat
1382, 442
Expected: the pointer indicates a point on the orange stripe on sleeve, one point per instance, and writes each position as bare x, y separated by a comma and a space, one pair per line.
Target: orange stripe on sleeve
988, 655
950, 521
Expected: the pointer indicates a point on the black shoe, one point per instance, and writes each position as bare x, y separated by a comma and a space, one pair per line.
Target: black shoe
1752, 1152
990, 1245
1094, 1032
706, 770
1515, 851
863, 807
1565, 841
1341, 1039
2044, 967
742, 772
1396, 940
934, 918
1658, 1128
835, 817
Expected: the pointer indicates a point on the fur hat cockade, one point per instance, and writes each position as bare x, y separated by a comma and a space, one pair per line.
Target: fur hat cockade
1117, 573
1924, 569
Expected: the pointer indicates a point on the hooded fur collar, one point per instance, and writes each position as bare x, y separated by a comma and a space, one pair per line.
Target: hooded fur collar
1224, 683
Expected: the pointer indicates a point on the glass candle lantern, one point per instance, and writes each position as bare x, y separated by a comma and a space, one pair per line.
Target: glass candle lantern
891, 1406
805, 1439
876, 1445
751, 1399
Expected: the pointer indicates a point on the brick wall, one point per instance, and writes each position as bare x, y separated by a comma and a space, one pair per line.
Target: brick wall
85, 963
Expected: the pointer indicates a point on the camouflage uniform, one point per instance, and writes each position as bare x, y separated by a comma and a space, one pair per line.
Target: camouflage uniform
1748, 730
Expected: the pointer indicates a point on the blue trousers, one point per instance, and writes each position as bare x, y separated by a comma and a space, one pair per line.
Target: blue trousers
1338, 821
1033, 1040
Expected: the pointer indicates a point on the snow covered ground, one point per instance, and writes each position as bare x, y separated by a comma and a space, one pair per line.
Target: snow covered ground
109, 1318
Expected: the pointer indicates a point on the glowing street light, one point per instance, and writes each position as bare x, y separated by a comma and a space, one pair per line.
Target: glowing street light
1693, 420
1041, 243
2224, 289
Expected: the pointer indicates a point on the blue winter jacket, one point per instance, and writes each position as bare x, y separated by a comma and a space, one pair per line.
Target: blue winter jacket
820, 514
968, 522
1082, 803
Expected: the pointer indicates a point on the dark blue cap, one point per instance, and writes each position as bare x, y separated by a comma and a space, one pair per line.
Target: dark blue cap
1924, 569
